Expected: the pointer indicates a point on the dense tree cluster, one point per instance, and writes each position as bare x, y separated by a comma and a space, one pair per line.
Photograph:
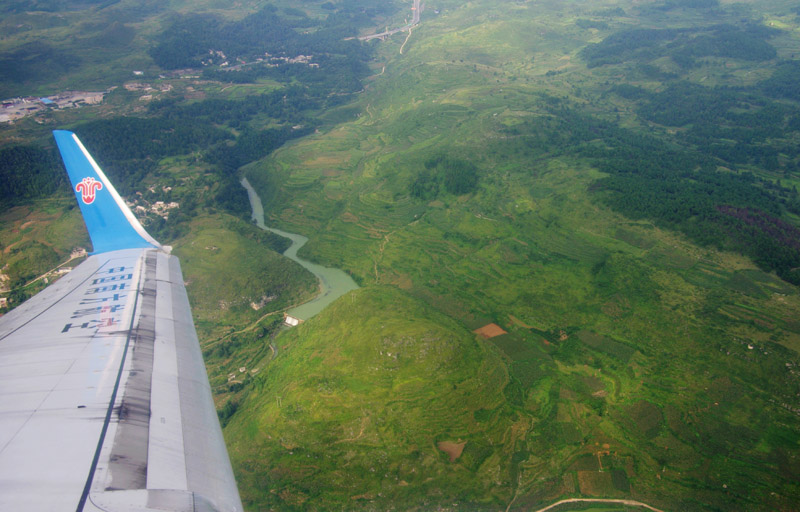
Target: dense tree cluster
251, 145
682, 45
130, 147
445, 173
634, 44
190, 39
35, 60
784, 81
588, 24
125, 138
283, 105
677, 187
53, 5
683, 103
688, 4
339, 61
28, 172
736, 125
332, 73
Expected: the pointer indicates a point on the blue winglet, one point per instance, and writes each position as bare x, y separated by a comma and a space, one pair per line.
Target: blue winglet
111, 224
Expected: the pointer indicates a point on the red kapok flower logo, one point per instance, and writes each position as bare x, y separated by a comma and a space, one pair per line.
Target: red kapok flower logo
87, 188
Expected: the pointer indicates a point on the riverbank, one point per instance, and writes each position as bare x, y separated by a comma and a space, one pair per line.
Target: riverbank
333, 282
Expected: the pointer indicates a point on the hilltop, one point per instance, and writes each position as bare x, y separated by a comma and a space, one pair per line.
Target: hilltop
366, 403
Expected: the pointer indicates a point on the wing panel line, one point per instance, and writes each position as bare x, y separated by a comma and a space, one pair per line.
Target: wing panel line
40, 313
128, 457
90, 478
33, 412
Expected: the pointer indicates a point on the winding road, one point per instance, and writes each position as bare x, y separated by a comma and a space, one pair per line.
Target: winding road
630, 503
414, 22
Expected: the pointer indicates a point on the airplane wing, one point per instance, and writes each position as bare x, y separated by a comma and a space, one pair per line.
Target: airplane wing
104, 398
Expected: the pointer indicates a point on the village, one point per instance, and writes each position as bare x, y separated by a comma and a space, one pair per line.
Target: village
17, 108
159, 208
13, 109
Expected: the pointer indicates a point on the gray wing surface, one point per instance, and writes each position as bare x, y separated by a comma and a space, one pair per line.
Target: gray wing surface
104, 398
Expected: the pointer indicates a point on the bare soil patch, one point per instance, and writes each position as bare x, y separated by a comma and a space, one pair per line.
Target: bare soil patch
403, 282
349, 217
452, 449
490, 331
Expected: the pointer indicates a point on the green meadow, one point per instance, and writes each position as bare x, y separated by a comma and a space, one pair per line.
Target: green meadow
238, 287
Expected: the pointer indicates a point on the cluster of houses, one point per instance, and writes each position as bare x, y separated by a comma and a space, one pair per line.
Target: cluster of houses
300, 59
268, 60
159, 208
17, 108
147, 88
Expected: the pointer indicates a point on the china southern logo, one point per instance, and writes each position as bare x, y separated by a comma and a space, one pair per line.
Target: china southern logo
87, 188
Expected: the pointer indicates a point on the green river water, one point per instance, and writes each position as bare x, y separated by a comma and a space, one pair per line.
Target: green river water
333, 282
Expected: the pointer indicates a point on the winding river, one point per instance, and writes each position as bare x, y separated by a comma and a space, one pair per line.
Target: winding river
333, 282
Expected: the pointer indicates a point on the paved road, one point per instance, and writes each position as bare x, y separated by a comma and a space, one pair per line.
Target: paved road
414, 22
590, 500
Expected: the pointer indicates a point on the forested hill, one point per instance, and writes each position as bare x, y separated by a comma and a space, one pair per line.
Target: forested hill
720, 162
319, 53
29, 172
679, 187
314, 58
187, 40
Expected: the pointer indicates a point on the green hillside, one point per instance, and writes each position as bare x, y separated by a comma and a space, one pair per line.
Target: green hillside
223, 256
650, 347
238, 286
361, 398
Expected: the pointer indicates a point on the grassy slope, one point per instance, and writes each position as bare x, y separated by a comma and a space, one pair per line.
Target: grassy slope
671, 365
227, 266
37, 237
391, 379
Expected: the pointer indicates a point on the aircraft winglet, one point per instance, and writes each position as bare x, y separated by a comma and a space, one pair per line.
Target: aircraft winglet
111, 224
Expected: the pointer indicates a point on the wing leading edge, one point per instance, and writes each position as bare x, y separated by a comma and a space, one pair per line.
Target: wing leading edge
104, 399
